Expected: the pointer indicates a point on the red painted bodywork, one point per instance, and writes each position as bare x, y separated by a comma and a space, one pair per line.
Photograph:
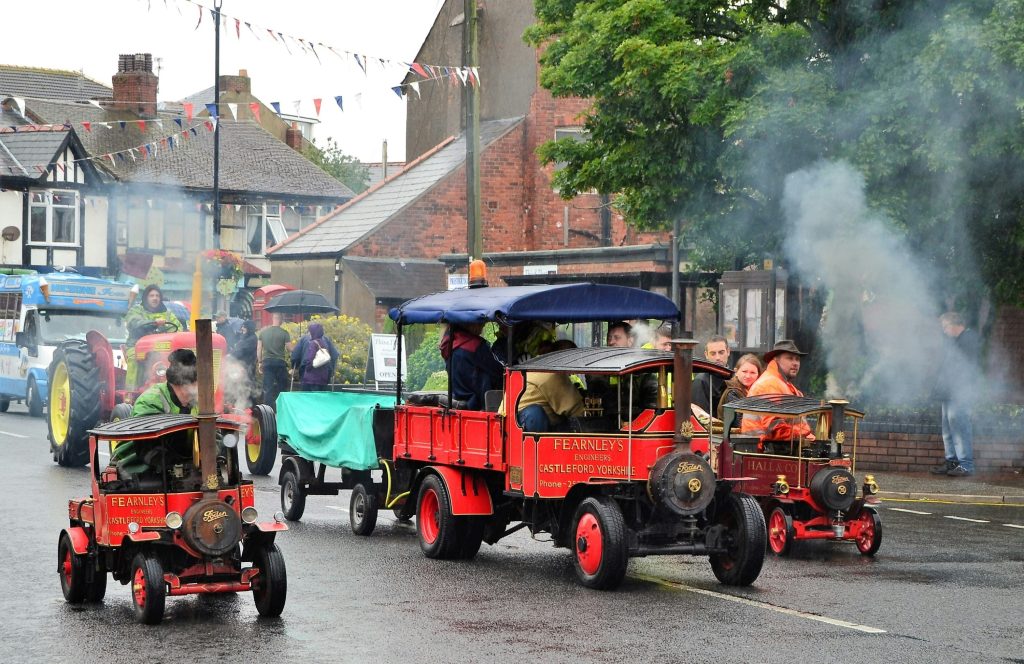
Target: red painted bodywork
104, 354
151, 353
264, 294
468, 491
79, 539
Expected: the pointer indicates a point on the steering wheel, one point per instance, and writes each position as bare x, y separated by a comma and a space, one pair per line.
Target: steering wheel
153, 327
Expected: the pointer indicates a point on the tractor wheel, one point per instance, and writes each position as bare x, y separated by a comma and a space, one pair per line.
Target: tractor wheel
261, 440
148, 589
780, 532
362, 510
870, 537
32, 398
471, 536
746, 535
74, 403
270, 587
293, 496
5, 403
71, 567
435, 524
599, 543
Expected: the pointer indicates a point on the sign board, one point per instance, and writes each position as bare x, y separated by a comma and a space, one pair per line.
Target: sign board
539, 269
458, 281
382, 365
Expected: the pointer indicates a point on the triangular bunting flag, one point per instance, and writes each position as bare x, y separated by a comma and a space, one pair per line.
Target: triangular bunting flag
397, 90
276, 105
463, 74
271, 33
233, 109
194, 131
340, 103
170, 142
142, 124
122, 123
209, 125
159, 123
178, 122
254, 108
359, 62
87, 126
131, 153
418, 68
188, 111
296, 104
249, 25
285, 43
415, 86
95, 103
310, 44
474, 75
316, 105
212, 110
238, 29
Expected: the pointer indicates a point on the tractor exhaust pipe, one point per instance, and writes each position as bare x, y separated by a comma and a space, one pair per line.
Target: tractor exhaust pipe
207, 411
682, 378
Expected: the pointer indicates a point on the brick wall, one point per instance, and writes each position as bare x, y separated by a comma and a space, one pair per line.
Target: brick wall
1005, 347
916, 448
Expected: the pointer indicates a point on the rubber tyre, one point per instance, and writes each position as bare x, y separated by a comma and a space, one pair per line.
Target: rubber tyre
743, 518
74, 403
5, 403
599, 552
293, 496
270, 587
435, 524
471, 536
871, 535
149, 593
400, 516
32, 398
362, 510
261, 440
780, 532
97, 588
122, 411
71, 568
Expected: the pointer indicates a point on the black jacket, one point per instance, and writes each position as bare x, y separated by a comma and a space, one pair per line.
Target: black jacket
707, 386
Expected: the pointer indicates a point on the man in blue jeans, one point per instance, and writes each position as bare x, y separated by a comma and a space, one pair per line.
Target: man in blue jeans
958, 385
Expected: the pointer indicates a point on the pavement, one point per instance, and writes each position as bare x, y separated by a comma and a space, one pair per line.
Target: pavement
997, 488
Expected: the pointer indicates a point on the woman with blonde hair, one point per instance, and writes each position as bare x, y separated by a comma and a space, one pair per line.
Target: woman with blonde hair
748, 369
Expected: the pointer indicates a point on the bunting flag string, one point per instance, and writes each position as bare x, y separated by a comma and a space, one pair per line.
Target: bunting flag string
308, 46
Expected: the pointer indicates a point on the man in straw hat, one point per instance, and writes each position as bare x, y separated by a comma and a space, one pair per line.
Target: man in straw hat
783, 365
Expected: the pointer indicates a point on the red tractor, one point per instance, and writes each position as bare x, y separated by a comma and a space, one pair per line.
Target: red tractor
87, 387
170, 514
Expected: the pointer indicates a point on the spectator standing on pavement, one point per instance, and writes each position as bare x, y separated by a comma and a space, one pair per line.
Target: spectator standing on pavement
272, 354
317, 378
957, 389
228, 327
707, 388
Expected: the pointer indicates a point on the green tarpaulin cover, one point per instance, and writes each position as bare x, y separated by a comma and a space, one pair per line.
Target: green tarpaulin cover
335, 428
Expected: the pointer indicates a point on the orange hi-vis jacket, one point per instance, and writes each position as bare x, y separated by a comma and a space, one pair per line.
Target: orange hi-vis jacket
772, 427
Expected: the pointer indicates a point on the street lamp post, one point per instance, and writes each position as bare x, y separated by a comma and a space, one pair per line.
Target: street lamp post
216, 127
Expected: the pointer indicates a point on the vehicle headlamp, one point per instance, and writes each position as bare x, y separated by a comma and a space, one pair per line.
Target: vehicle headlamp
173, 520
133, 527
279, 517
249, 514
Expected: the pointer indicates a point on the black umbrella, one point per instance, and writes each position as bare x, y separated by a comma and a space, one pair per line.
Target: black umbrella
300, 302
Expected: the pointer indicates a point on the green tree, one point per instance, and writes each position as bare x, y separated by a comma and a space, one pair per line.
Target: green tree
702, 107
342, 167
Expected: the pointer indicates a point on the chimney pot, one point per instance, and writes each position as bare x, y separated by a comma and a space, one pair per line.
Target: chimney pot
135, 85
293, 137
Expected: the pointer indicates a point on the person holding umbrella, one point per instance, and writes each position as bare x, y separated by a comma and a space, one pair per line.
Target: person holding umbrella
316, 370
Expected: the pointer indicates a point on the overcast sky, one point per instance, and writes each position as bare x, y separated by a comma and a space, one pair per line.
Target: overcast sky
88, 35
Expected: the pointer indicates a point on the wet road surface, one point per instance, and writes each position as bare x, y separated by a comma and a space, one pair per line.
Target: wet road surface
941, 589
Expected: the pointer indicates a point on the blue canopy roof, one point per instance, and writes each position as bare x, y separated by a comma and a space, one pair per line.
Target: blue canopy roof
563, 303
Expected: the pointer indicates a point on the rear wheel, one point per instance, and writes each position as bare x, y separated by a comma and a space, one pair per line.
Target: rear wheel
97, 588
5, 403
33, 399
270, 587
780, 531
471, 536
362, 510
148, 590
870, 537
261, 440
435, 524
745, 540
74, 403
71, 568
293, 496
599, 543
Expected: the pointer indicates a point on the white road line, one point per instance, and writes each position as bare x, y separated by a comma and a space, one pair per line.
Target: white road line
1013, 525
13, 435
763, 605
964, 518
334, 507
900, 509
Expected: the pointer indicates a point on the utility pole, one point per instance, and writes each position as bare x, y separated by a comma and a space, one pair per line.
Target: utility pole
216, 127
469, 49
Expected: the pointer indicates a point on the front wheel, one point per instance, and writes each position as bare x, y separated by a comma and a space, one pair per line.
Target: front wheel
745, 541
362, 510
33, 399
71, 567
870, 536
148, 589
270, 587
293, 496
261, 440
599, 543
780, 532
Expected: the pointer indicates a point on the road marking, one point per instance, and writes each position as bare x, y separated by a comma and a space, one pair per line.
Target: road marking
1013, 525
761, 605
900, 509
15, 435
964, 518
334, 507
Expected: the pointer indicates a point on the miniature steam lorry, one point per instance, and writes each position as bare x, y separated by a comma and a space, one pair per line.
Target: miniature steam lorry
620, 481
807, 489
88, 386
173, 516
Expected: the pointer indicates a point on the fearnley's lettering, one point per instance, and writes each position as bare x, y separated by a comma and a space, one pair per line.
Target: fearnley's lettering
588, 444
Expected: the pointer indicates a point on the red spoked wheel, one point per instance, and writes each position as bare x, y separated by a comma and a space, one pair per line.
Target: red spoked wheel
435, 524
870, 536
72, 571
148, 590
599, 543
780, 532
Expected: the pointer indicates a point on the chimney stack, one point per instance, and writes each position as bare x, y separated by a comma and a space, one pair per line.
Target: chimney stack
135, 84
293, 137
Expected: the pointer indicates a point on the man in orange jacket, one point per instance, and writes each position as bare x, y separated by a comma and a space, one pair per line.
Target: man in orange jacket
783, 362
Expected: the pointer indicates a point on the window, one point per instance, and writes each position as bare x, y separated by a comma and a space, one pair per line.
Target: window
579, 134
263, 228
10, 311
53, 217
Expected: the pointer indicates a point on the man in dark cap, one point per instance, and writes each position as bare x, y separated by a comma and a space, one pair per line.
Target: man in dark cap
782, 366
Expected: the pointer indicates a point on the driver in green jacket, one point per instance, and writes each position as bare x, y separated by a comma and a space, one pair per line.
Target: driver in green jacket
177, 394
149, 316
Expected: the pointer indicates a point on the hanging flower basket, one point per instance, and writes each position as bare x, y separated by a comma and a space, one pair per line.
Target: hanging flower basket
225, 264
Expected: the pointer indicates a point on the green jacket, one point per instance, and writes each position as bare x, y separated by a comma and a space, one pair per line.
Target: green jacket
157, 400
138, 316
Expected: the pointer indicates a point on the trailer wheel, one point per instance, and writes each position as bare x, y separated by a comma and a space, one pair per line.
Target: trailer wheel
5, 403
293, 496
746, 535
261, 440
32, 398
435, 524
270, 587
870, 537
148, 590
362, 510
471, 536
71, 567
74, 403
780, 532
599, 543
